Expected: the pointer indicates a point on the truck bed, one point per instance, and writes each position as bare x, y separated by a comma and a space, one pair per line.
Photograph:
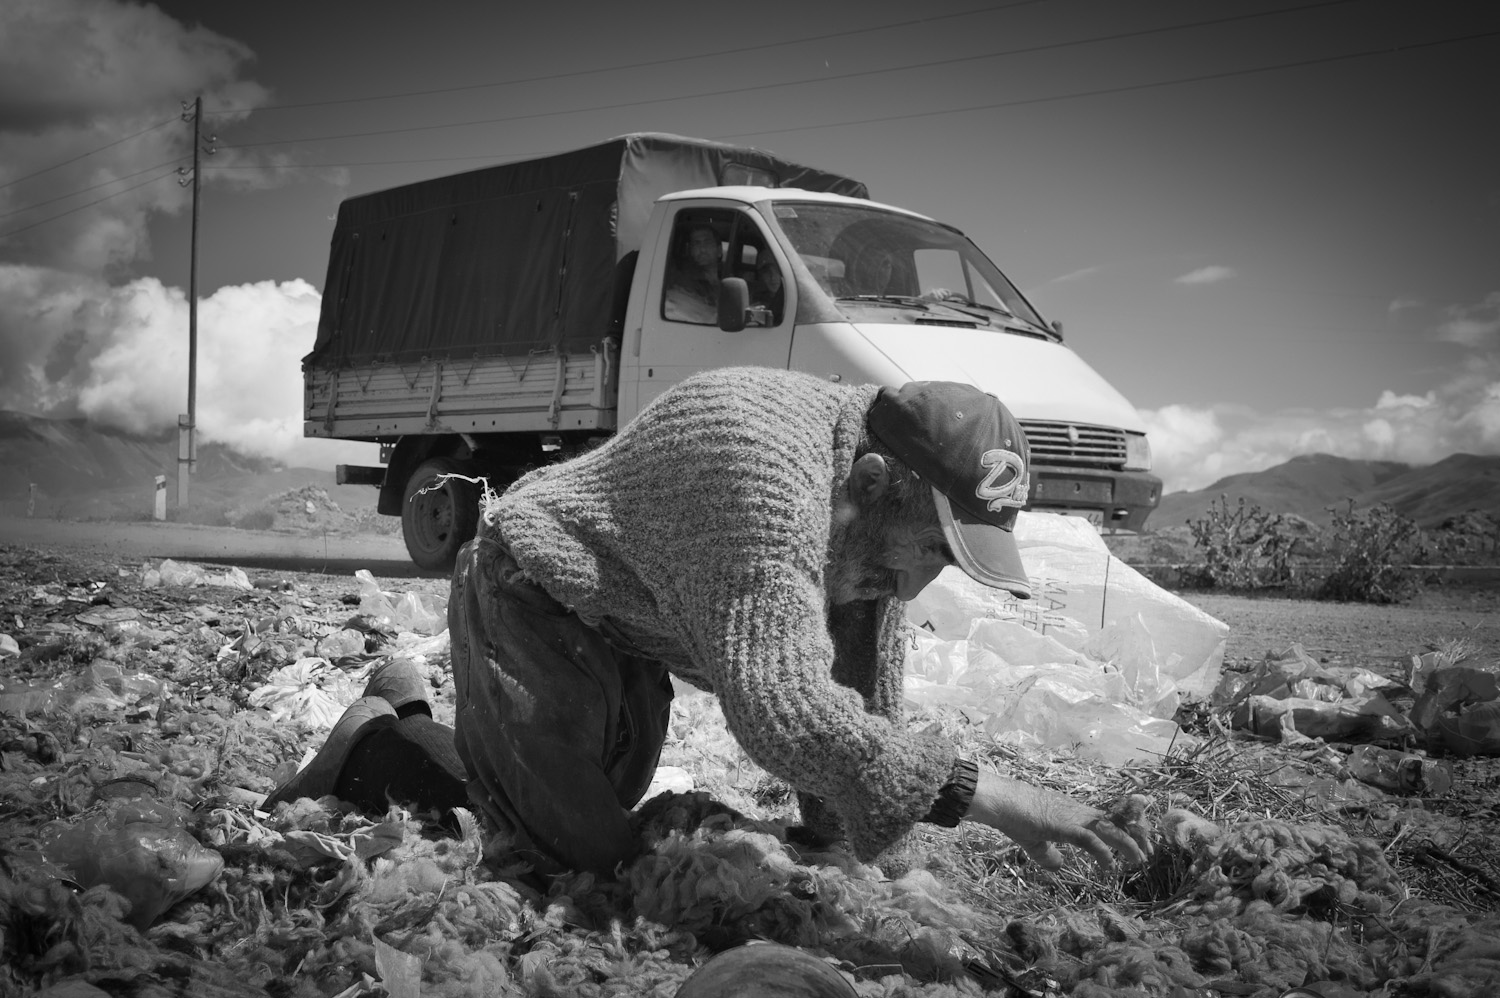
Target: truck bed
538, 393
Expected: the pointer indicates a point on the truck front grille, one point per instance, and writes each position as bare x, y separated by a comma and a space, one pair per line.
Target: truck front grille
1072, 443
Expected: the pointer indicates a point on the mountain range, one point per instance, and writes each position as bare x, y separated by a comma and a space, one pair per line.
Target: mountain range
84, 470
1314, 486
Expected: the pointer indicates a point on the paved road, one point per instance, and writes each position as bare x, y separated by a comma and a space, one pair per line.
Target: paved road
249, 549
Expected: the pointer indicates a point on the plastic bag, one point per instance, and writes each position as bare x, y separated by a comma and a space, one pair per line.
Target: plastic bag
408, 612
1474, 732
1029, 689
173, 573
102, 686
1080, 592
309, 691
1370, 718
140, 848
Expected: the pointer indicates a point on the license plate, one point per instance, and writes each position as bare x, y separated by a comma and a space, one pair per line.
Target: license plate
1094, 516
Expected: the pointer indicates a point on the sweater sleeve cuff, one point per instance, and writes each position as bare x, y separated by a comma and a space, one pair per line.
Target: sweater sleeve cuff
957, 794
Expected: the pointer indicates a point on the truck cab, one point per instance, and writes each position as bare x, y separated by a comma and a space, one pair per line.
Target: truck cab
860, 292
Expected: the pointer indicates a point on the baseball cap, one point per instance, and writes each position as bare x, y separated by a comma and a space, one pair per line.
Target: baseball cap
969, 448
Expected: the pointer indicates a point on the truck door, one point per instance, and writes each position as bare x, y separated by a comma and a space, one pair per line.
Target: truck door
680, 334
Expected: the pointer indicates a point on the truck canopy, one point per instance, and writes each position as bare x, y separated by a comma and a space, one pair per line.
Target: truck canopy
518, 259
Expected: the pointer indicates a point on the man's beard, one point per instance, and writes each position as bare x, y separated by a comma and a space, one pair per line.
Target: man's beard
855, 549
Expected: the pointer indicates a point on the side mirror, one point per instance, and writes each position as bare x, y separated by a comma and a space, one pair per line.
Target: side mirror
734, 299
1057, 327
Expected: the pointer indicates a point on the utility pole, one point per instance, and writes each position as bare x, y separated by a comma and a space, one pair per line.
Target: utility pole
187, 425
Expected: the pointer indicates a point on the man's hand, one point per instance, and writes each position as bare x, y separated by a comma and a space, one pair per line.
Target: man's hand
1039, 820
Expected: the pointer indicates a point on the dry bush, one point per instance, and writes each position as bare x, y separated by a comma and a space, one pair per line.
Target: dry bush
1244, 547
1374, 552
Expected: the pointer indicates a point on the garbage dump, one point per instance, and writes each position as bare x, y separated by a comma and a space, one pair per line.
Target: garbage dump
175, 707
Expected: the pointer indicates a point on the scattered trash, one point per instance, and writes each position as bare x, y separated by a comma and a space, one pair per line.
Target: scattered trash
1370, 718
1474, 732
310, 691
1450, 690
1403, 772
101, 686
408, 612
8, 646
140, 847
172, 573
347, 643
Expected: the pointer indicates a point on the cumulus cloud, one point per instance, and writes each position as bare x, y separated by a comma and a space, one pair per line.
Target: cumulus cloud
90, 111
1194, 447
90, 99
1205, 275
118, 355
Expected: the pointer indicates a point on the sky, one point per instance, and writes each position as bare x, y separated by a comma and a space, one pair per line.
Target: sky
1275, 227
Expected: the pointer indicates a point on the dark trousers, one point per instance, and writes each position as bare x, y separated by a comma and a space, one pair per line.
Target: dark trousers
557, 734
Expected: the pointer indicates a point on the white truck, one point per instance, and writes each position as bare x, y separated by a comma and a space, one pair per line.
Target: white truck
487, 322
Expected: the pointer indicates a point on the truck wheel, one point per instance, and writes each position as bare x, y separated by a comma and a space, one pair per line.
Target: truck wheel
438, 515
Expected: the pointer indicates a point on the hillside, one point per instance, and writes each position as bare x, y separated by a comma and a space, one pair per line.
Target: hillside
82, 471
1308, 485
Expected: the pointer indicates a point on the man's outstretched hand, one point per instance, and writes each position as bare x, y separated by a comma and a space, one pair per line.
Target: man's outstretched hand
1040, 820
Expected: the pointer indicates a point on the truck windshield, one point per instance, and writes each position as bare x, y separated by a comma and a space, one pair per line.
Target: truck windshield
866, 254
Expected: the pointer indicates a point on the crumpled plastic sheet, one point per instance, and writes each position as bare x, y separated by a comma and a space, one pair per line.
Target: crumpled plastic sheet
1096, 660
138, 846
1029, 690
102, 686
424, 614
310, 691
173, 573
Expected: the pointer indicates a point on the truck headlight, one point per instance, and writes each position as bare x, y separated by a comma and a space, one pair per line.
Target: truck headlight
1137, 452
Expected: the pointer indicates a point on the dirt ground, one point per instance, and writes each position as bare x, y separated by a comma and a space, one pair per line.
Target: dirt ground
74, 600
1357, 633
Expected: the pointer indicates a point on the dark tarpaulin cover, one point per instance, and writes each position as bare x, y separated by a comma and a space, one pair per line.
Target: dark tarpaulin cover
514, 259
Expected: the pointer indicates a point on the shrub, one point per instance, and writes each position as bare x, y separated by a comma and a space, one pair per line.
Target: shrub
1243, 548
1374, 548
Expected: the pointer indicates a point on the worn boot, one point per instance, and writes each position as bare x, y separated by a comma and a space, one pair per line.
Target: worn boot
398, 683
319, 777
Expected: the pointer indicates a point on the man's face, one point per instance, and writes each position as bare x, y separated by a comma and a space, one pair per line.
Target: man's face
703, 247
897, 555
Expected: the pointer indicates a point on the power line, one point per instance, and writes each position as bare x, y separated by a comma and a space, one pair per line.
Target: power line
898, 117
70, 211
642, 65
946, 61
85, 190
86, 155
1388, 50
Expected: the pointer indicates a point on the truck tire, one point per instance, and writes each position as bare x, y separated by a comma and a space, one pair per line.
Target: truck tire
438, 515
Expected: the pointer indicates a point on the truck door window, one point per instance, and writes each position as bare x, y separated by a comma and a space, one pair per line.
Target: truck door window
695, 265
751, 259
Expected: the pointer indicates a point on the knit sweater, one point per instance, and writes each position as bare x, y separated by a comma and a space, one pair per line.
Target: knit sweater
700, 536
